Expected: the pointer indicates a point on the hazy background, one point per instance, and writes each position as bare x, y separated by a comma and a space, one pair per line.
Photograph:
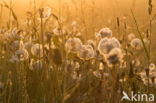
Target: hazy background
92, 14
102, 8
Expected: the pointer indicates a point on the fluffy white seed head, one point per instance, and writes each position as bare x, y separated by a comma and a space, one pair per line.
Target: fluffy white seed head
107, 44
152, 67
73, 45
37, 50
86, 52
104, 32
136, 44
114, 57
20, 55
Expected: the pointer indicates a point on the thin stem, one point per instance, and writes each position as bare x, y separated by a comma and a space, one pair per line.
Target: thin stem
140, 35
10, 6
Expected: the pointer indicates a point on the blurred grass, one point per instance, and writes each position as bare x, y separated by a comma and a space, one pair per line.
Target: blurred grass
53, 82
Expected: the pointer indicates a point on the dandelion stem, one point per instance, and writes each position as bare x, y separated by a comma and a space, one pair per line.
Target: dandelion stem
140, 35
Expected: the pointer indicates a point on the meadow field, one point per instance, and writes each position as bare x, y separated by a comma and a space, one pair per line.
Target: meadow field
77, 51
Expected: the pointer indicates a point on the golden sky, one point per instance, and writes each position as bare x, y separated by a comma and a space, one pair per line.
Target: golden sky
108, 7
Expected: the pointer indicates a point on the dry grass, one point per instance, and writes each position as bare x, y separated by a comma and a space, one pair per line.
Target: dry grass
73, 57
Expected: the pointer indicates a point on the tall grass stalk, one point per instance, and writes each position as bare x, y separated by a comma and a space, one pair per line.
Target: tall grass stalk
10, 6
93, 16
1, 13
150, 7
34, 18
140, 35
82, 9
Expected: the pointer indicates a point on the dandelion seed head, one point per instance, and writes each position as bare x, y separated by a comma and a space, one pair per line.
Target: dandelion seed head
73, 45
37, 50
152, 67
152, 77
115, 42
136, 44
104, 32
107, 44
22, 54
104, 46
114, 57
86, 52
